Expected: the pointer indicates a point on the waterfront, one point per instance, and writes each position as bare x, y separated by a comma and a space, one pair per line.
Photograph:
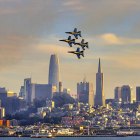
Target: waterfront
74, 138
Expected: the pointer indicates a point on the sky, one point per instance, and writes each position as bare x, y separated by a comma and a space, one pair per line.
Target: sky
30, 31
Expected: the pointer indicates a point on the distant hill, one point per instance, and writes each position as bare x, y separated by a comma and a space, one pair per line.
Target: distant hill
62, 98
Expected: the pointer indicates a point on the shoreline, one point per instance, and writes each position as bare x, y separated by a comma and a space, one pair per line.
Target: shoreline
77, 136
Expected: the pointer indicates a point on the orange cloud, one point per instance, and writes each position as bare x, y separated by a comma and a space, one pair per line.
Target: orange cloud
53, 48
113, 39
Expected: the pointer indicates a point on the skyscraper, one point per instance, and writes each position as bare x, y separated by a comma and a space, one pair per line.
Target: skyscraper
99, 97
60, 87
138, 94
126, 93
85, 92
21, 93
27, 89
117, 93
54, 71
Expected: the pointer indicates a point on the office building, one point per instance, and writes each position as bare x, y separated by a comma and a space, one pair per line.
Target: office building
60, 87
21, 92
138, 94
117, 94
54, 71
99, 97
27, 90
14, 104
3, 96
126, 94
2, 112
42, 91
66, 90
85, 92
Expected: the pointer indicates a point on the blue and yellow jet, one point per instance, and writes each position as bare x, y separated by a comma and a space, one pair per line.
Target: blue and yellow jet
75, 33
77, 52
83, 44
69, 41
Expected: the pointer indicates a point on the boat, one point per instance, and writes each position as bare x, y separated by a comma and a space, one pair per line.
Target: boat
42, 135
125, 133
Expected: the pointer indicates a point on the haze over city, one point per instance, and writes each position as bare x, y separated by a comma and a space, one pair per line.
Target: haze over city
30, 33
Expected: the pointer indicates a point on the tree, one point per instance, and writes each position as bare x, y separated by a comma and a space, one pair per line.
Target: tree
62, 98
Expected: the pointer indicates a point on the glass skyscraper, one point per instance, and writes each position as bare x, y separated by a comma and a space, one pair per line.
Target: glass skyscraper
54, 71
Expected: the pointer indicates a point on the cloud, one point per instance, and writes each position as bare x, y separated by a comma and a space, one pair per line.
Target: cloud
110, 39
9, 55
113, 39
23, 25
13, 49
100, 16
73, 6
123, 61
53, 48
23, 21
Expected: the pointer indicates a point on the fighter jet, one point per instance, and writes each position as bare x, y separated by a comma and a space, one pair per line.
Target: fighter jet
83, 44
69, 41
77, 52
75, 33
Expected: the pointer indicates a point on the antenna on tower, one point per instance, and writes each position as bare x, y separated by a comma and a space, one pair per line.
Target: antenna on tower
99, 66
84, 80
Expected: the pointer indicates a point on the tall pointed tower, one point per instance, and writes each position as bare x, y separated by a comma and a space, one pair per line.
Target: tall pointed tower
99, 97
54, 71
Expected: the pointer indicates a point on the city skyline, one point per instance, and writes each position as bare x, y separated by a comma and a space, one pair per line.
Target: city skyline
30, 30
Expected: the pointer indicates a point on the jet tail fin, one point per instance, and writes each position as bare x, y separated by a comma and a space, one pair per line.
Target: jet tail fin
80, 33
82, 53
78, 50
75, 30
87, 44
69, 38
73, 41
82, 41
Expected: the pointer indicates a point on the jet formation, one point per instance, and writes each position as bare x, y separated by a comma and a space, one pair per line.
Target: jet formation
72, 42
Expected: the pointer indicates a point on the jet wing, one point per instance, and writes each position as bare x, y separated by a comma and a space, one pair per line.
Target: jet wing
70, 44
76, 36
78, 55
